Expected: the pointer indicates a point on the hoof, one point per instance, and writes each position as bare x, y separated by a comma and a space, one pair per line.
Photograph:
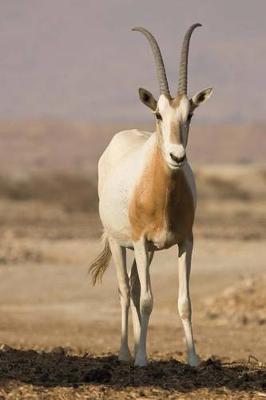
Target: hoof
135, 351
124, 355
141, 361
194, 360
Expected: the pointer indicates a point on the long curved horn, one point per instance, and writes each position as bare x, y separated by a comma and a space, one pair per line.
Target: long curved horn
160, 69
182, 82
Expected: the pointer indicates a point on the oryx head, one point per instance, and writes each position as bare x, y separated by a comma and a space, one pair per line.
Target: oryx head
173, 114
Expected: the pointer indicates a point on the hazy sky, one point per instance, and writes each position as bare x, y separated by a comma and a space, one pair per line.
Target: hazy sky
79, 59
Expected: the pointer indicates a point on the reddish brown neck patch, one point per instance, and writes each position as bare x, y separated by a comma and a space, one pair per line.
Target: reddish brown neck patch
161, 200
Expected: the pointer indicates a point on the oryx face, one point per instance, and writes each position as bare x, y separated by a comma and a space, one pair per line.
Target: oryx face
173, 116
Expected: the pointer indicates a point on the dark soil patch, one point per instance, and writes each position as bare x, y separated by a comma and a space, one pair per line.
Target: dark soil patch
60, 368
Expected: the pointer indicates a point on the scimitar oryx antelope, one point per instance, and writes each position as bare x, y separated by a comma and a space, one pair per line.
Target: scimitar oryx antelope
147, 201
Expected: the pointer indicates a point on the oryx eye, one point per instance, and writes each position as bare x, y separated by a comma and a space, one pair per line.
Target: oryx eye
158, 116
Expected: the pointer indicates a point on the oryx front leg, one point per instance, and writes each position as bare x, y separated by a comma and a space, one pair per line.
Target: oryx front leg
146, 300
119, 257
135, 302
184, 303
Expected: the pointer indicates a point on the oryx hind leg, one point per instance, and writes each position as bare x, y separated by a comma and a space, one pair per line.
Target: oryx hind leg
119, 258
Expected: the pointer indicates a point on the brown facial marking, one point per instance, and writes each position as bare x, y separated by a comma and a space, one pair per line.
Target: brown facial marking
176, 101
175, 131
161, 200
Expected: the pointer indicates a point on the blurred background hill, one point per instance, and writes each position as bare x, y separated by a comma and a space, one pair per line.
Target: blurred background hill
46, 145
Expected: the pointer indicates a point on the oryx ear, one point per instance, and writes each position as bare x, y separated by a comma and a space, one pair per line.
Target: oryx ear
200, 97
147, 98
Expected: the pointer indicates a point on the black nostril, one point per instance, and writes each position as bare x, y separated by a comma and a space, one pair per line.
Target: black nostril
174, 158
177, 159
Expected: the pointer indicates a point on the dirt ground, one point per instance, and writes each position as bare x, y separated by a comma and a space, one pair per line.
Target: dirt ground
59, 336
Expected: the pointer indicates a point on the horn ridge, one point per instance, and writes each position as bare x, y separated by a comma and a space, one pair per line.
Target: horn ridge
160, 68
183, 67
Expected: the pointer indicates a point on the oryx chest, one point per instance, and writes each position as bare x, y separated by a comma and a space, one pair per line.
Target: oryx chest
161, 208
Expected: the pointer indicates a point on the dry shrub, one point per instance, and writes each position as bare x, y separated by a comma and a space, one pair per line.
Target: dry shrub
224, 189
216, 187
74, 191
13, 251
